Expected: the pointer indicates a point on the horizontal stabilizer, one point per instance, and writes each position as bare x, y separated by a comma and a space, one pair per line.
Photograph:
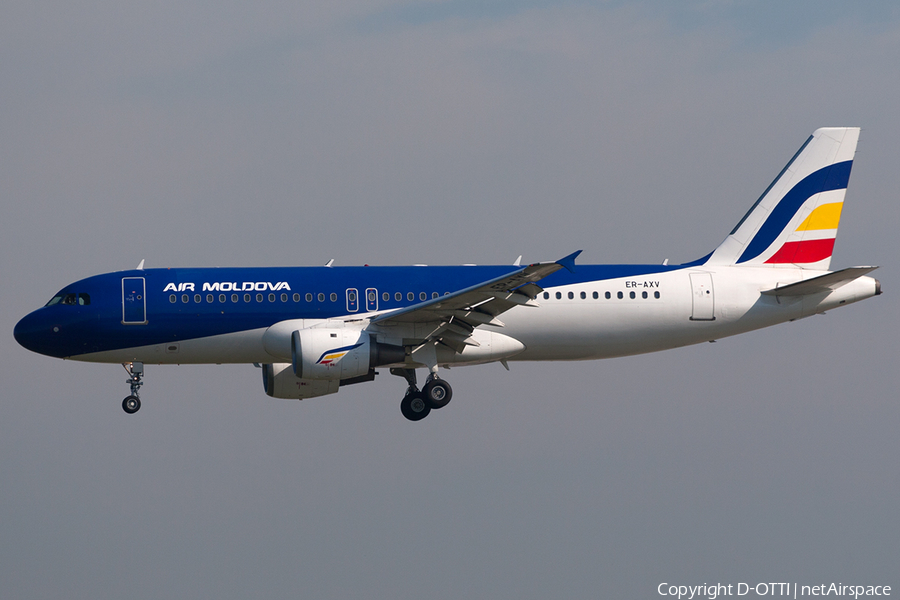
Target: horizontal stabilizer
823, 283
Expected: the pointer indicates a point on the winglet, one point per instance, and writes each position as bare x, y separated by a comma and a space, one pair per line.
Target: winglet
569, 261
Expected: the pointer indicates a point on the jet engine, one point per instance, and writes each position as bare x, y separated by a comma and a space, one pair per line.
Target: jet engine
280, 382
339, 353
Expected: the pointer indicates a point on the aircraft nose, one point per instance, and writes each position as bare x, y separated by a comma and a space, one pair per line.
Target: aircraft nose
35, 333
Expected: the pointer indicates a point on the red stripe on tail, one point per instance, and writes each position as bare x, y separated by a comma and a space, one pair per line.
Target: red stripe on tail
808, 251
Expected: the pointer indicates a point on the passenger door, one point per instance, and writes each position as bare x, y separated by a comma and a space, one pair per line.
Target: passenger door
134, 301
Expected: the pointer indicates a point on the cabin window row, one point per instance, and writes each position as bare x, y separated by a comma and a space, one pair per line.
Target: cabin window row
210, 298
596, 295
320, 297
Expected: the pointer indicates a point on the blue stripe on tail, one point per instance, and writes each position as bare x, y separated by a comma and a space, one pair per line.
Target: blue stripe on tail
832, 177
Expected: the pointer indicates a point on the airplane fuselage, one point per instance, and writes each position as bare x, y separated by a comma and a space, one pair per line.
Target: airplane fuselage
222, 315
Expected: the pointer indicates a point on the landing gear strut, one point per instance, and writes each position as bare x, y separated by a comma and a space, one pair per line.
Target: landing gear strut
416, 405
132, 403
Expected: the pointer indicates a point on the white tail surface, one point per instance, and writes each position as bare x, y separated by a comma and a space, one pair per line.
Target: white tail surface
794, 223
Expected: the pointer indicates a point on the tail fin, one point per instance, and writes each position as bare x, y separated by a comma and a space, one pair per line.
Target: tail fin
795, 221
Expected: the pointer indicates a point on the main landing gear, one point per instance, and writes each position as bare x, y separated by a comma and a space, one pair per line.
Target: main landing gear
416, 404
132, 403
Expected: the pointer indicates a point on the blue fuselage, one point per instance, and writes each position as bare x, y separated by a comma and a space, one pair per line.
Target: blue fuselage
156, 306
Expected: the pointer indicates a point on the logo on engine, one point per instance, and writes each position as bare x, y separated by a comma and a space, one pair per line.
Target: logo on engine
331, 357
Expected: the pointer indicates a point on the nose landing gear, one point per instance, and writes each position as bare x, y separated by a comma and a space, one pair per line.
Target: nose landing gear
132, 403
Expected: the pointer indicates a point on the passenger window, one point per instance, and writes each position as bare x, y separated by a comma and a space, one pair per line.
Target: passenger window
631, 295
619, 295
222, 298
333, 297
423, 296
608, 295
398, 296
546, 295
320, 297
259, 297
309, 297
644, 295
271, 297
434, 294
284, 297
184, 298
656, 294
172, 298
385, 296
410, 296
559, 295
234, 297
296, 297
583, 295
209, 298
596, 295
246, 297
571, 295
197, 298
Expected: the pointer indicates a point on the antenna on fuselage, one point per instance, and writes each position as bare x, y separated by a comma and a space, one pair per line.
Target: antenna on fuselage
330, 262
518, 262
141, 265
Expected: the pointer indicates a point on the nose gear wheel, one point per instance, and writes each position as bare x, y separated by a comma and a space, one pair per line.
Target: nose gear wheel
132, 403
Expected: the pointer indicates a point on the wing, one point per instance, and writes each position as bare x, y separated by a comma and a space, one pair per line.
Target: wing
457, 314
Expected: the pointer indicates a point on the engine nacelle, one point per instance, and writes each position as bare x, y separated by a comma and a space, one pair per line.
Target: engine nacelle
336, 353
280, 382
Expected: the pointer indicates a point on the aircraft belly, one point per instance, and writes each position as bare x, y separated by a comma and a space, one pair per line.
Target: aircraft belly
239, 347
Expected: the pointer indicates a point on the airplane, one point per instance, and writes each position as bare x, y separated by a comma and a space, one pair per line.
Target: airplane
312, 330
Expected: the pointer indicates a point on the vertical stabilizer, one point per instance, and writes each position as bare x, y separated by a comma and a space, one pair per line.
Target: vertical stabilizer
795, 221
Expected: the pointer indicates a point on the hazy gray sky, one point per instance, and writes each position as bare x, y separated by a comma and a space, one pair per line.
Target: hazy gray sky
281, 133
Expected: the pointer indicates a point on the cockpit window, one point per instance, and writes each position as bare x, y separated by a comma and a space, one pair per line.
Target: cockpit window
70, 299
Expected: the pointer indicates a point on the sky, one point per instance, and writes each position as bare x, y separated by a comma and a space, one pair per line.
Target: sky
446, 132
